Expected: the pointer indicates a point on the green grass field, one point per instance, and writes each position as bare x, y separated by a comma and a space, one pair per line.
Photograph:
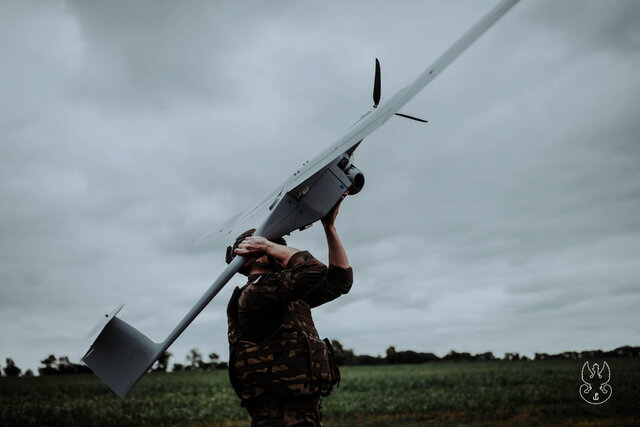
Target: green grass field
442, 393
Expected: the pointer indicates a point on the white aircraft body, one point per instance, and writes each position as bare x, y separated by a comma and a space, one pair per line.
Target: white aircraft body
121, 355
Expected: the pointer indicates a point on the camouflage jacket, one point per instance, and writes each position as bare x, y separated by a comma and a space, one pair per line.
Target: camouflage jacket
274, 347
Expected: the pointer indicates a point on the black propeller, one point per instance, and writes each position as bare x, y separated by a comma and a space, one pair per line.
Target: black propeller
376, 94
412, 118
376, 85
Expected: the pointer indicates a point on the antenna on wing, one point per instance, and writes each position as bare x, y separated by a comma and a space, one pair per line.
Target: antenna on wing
377, 92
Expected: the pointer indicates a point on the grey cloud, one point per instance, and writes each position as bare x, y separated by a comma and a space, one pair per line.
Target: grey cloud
592, 25
130, 130
150, 53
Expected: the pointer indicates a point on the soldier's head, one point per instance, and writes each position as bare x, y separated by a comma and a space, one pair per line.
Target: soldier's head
262, 262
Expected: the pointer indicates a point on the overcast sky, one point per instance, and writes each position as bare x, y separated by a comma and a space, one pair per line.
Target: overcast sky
510, 222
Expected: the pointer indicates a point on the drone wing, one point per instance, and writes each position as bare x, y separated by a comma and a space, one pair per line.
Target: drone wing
313, 170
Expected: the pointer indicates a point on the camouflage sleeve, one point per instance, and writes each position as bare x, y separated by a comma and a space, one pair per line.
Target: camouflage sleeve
302, 274
338, 282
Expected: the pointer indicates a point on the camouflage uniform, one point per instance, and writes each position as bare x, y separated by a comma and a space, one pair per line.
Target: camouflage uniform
278, 365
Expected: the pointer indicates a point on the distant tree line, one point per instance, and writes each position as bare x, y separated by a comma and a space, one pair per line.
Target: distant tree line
343, 357
63, 366
626, 351
195, 362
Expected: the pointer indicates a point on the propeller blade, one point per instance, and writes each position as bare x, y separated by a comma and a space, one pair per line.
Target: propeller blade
376, 85
412, 118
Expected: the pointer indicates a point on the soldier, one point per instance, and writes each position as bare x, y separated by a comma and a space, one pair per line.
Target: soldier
278, 365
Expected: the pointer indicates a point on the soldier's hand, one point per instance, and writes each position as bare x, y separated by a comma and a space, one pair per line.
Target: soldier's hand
330, 218
253, 247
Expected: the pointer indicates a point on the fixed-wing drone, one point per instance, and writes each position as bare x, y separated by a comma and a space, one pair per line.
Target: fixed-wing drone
120, 355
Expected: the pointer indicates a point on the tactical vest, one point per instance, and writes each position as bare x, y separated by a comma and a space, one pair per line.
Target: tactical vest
292, 361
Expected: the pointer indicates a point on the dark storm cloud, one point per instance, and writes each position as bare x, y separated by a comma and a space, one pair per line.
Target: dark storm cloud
149, 53
591, 24
508, 223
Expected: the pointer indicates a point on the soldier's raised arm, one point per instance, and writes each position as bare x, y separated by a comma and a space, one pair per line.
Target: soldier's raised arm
339, 275
300, 274
254, 247
337, 254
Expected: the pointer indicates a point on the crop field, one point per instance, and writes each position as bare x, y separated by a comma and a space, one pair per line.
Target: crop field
438, 393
